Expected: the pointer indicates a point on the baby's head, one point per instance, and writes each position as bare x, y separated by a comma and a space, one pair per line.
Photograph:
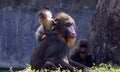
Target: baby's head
44, 13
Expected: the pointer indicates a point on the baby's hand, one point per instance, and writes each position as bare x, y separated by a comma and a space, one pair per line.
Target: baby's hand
43, 36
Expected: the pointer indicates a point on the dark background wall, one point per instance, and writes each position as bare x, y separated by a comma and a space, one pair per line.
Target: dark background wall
18, 23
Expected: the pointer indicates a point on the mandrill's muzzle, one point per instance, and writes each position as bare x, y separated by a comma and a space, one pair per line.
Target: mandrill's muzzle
72, 33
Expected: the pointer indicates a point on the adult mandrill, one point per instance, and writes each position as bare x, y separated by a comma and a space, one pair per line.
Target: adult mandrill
52, 51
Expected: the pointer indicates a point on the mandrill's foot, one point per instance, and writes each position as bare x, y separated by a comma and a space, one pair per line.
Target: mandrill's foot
49, 65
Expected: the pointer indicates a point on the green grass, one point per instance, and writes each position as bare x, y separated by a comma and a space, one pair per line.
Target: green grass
104, 68
28, 69
100, 68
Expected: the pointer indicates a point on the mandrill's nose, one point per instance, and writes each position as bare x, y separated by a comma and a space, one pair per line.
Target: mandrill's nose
73, 35
72, 31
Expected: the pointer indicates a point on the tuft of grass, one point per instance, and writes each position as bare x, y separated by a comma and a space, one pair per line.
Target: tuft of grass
100, 68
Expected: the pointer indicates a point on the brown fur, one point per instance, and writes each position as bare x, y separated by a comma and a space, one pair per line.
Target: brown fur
65, 17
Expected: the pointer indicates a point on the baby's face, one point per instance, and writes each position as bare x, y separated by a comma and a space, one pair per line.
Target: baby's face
40, 21
44, 21
44, 17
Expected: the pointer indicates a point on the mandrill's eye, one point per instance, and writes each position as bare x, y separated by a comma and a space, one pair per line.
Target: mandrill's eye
69, 24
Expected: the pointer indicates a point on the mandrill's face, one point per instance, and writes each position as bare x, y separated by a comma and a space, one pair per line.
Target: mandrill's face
71, 35
66, 27
68, 30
